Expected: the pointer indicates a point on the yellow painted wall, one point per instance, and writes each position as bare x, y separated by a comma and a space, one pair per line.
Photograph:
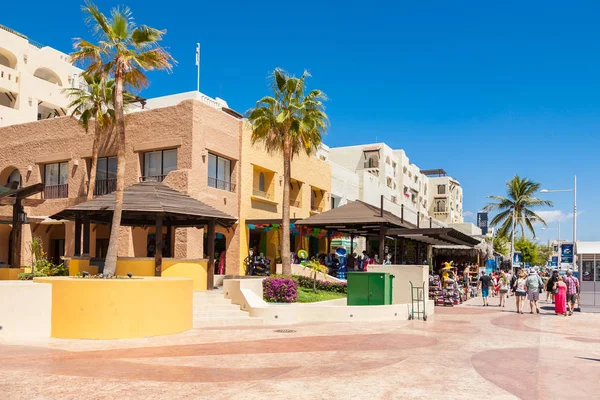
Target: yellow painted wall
10, 274
119, 308
138, 266
196, 270
78, 265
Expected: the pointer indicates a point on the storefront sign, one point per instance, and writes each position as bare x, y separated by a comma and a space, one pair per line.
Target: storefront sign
482, 222
517, 258
566, 253
554, 262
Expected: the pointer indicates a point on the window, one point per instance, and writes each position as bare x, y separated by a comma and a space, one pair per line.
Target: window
440, 206
158, 164
106, 176
14, 176
56, 178
219, 173
441, 189
261, 182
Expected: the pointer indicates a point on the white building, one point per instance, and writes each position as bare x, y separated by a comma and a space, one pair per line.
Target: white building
344, 182
445, 197
32, 78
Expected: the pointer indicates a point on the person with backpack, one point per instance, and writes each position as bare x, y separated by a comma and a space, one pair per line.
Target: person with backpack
572, 290
534, 285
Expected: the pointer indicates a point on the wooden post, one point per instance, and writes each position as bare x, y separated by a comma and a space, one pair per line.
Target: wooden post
169, 241
381, 244
86, 235
402, 213
158, 246
430, 222
16, 234
77, 236
418, 219
210, 281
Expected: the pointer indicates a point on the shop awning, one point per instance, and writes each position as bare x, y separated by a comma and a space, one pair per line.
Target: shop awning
588, 248
436, 236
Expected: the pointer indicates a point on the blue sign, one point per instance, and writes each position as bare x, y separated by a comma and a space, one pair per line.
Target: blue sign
482, 222
517, 258
566, 253
527, 265
554, 262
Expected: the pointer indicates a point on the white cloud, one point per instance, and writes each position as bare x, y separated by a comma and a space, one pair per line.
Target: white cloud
556, 215
468, 214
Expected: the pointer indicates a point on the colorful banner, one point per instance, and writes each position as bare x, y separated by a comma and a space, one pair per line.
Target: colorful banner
482, 222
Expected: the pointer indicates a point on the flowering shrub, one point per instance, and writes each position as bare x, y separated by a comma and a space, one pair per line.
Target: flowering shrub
304, 281
280, 290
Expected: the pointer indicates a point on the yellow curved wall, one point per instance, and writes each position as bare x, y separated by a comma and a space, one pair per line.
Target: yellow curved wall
119, 308
195, 270
138, 267
78, 265
10, 274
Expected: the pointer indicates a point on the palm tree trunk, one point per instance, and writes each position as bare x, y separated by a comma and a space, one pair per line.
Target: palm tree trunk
286, 265
110, 264
93, 167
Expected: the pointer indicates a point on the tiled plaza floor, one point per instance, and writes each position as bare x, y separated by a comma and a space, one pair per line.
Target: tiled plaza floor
462, 352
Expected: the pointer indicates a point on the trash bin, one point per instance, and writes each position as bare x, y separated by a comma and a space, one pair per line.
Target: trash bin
369, 288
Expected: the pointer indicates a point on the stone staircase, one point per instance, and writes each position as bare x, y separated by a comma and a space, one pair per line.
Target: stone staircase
211, 309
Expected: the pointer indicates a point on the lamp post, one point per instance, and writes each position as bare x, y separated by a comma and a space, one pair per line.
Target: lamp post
574, 190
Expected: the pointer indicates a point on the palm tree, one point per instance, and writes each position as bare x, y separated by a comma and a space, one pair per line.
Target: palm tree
519, 203
124, 51
93, 104
287, 123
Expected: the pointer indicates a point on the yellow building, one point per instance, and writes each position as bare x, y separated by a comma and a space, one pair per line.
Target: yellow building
261, 197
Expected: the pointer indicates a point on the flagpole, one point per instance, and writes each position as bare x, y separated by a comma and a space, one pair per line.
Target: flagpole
198, 64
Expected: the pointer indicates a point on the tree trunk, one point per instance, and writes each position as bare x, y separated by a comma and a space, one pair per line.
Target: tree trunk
93, 167
110, 264
315, 282
286, 265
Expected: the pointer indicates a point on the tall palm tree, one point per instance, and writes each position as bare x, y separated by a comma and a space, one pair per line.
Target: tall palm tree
519, 203
124, 51
287, 123
95, 104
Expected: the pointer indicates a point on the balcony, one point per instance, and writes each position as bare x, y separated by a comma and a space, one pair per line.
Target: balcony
222, 185
105, 186
51, 93
316, 209
153, 178
437, 210
264, 196
295, 203
56, 192
9, 79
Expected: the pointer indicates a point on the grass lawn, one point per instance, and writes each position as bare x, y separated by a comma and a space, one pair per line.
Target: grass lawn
306, 295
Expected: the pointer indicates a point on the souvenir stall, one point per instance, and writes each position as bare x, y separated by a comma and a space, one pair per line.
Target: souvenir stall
445, 289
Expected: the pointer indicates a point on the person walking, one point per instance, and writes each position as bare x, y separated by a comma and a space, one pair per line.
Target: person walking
520, 288
484, 284
560, 297
534, 284
504, 287
572, 290
551, 283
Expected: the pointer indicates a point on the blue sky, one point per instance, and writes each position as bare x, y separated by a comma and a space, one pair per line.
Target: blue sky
482, 89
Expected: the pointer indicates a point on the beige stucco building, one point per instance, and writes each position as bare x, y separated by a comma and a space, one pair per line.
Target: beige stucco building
175, 141
261, 198
32, 77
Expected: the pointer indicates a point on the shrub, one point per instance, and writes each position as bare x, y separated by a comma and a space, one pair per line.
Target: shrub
306, 282
280, 290
28, 276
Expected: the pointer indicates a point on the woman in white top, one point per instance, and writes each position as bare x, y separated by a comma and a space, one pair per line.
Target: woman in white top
504, 287
520, 292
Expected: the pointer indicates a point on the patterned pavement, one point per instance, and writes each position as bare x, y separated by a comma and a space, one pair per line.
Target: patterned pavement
466, 351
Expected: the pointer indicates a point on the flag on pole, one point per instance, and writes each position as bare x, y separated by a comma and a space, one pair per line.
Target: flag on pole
197, 54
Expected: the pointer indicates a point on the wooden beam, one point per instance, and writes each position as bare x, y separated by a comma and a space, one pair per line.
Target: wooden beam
158, 246
211, 255
49, 228
16, 234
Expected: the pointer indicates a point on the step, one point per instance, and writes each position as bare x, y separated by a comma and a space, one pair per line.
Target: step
220, 313
216, 307
237, 321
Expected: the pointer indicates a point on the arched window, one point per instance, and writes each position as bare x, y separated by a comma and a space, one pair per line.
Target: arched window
261, 182
47, 75
7, 59
14, 176
440, 205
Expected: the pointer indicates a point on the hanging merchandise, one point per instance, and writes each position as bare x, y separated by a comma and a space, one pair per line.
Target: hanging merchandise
251, 226
275, 226
266, 229
292, 226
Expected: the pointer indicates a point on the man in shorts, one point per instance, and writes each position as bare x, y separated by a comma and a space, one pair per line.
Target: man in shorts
534, 284
484, 284
572, 290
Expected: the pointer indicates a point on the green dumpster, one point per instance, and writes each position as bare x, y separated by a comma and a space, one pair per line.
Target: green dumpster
369, 288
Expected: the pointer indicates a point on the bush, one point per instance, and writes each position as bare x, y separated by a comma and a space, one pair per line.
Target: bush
28, 276
47, 268
280, 290
306, 282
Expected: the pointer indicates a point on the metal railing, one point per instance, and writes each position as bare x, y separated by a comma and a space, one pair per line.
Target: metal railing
56, 191
260, 193
153, 178
105, 186
373, 164
219, 184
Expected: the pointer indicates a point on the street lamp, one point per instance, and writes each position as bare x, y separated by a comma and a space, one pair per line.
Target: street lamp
574, 190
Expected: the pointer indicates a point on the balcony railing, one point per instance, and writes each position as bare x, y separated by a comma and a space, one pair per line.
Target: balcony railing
9, 79
153, 178
440, 210
219, 184
371, 164
294, 203
105, 186
56, 191
260, 193
315, 208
